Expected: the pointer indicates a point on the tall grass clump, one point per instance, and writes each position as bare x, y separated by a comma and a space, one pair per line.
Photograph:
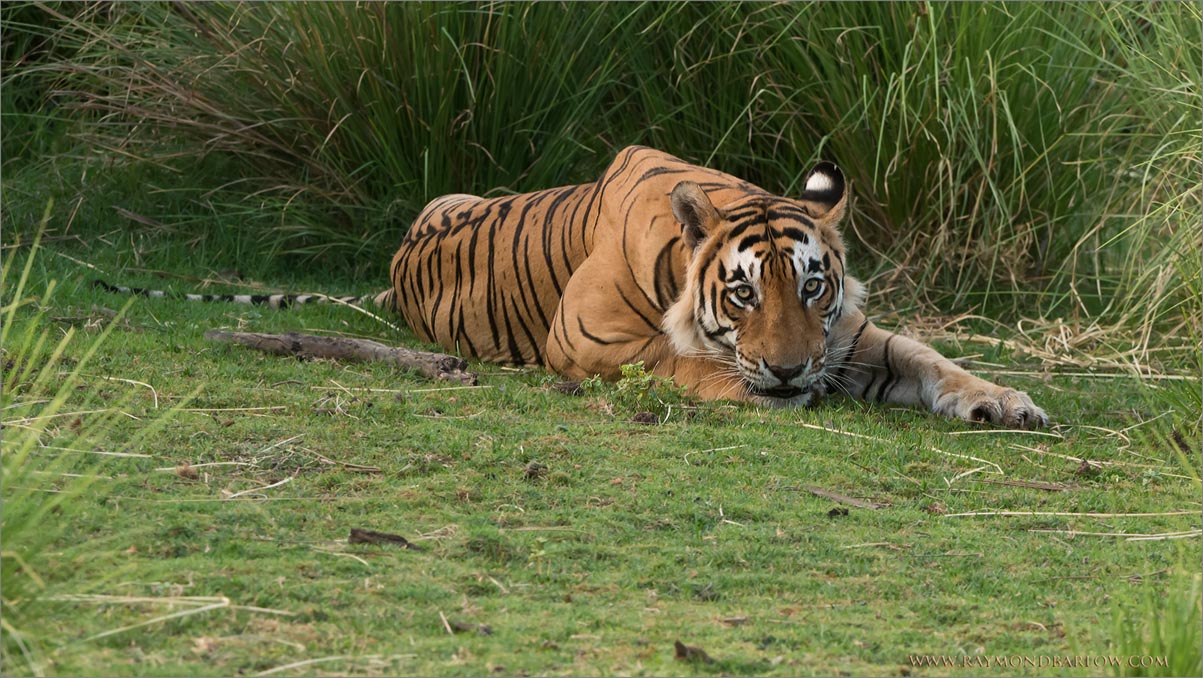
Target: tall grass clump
53, 421
32, 126
1168, 626
1013, 159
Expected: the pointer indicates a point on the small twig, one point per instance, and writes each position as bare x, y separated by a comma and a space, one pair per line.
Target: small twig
446, 625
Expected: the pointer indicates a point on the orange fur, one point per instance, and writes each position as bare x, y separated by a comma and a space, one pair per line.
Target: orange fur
730, 290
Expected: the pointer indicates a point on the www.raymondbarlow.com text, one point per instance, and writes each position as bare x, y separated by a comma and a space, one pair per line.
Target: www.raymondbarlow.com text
1039, 661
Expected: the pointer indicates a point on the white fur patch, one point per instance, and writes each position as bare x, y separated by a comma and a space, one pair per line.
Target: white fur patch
819, 182
748, 261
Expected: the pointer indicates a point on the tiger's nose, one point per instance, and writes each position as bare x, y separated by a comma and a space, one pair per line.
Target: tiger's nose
785, 374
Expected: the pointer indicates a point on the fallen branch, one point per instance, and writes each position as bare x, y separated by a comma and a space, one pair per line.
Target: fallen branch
433, 365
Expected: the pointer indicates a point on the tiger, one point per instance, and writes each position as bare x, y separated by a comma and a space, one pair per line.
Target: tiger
730, 291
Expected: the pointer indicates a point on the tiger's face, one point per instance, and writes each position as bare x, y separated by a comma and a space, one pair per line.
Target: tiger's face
764, 286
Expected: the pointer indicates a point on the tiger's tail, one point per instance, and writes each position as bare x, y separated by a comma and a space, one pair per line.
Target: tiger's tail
383, 299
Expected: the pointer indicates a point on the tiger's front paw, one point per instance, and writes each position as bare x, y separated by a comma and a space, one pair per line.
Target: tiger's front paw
983, 401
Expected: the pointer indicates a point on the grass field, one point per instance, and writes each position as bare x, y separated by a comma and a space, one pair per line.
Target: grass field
585, 542
1026, 194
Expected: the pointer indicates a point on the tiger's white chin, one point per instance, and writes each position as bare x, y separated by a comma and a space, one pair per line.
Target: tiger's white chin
795, 397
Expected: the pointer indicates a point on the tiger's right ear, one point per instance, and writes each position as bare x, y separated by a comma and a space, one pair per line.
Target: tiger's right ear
826, 193
696, 214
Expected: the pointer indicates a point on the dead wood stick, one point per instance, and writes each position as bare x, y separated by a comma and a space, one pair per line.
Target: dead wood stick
433, 365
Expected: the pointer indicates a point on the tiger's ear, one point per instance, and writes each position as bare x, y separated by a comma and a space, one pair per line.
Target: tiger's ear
696, 214
825, 195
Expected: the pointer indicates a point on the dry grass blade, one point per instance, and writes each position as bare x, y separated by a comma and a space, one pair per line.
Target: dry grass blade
1130, 536
1033, 484
225, 602
1163, 537
996, 467
997, 431
258, 489
1069, 513
841, 499
334, 658
153, 392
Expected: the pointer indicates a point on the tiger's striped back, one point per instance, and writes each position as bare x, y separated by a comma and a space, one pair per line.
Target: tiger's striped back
484, 276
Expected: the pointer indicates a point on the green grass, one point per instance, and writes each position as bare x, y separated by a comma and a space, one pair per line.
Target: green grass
1016, 161
632, 537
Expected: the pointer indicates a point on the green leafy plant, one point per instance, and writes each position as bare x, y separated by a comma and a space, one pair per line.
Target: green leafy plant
638, 391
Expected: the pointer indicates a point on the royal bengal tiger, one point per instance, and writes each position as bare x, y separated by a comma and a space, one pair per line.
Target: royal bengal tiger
731, 291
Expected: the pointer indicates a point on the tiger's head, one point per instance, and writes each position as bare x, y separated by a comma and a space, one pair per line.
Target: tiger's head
765, 284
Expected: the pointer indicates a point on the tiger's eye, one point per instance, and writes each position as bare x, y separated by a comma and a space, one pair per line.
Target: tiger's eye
744, 293
811, 286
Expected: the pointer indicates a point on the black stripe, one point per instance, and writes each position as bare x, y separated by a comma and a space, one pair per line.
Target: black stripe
851, 350
889, 381
588, 335
516, 356
790, 212
647, 321
630, 359
796, 234
715, 334
750, 240
666, 284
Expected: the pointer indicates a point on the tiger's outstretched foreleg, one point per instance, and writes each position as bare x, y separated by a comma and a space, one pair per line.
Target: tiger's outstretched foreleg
870, 363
